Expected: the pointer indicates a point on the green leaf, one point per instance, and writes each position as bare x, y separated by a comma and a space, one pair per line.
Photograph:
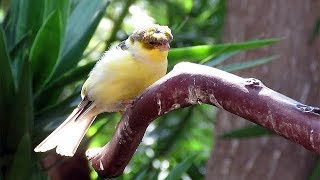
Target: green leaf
13, 22
315, 173
186, 5
142, 175
63, 6
246, 132
167, 143
21, 165
198, 53
48, 119
22, 113
20, 44
48, 38
7, 88
74, 75
218, 60
34, 17
181, 168
315, 32
245, 65
6, 80
23, 17
81, 25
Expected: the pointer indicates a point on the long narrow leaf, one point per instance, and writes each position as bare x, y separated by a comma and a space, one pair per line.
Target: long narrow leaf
63, 6
198, 53
34, 20
23, 17
81, 26
181, 168
141, 175
42, 61
6, 88
246, 132
220, 59
19, 44
6, 80
21, 165
84, 18
248, 64
14, 22
22, 113
74, 75
315, 173
49, 118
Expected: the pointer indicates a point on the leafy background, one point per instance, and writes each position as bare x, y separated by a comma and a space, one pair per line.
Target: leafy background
47, 49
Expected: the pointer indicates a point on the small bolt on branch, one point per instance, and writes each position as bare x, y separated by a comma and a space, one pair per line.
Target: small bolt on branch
189, 84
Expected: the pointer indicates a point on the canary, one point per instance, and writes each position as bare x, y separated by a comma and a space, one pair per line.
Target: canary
121, 74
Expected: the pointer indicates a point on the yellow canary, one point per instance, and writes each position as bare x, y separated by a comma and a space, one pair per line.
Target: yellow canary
121, 74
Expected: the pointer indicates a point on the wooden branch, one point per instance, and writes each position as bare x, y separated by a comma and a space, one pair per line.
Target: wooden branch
189, 84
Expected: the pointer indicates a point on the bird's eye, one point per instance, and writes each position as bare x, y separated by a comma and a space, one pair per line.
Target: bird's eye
152, 43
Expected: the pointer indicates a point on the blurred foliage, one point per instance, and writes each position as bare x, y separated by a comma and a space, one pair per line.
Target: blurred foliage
48, 47
40, 40
316, 31
315, 173
247, 132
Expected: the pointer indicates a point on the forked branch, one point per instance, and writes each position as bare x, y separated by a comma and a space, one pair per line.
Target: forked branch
189, 84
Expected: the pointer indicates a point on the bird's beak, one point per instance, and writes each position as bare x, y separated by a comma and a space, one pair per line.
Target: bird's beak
164, 46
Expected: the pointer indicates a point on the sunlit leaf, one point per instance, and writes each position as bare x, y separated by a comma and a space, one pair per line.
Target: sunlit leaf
186, 5
215, 61
181, 168
248, 64
198, 53
246, 132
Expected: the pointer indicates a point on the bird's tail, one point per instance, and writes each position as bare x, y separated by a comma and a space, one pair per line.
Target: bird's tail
69, 134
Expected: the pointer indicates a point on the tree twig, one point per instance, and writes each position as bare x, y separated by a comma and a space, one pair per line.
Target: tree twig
189, 84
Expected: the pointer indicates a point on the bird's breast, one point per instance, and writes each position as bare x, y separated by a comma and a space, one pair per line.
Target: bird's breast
116, 80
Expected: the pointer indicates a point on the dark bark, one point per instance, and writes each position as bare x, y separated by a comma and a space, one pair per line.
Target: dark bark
189, 84
62, 168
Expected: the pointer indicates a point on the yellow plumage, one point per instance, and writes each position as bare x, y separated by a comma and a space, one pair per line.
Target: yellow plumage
118, 77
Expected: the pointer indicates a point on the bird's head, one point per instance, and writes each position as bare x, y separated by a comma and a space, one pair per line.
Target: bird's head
153, 37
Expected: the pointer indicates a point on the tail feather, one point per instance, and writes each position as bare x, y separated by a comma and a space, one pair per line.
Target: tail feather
69, 134
72, 136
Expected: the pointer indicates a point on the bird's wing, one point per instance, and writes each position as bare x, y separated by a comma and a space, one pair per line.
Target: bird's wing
69, 134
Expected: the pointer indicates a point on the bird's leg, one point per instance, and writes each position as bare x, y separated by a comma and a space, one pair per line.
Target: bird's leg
126, 104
